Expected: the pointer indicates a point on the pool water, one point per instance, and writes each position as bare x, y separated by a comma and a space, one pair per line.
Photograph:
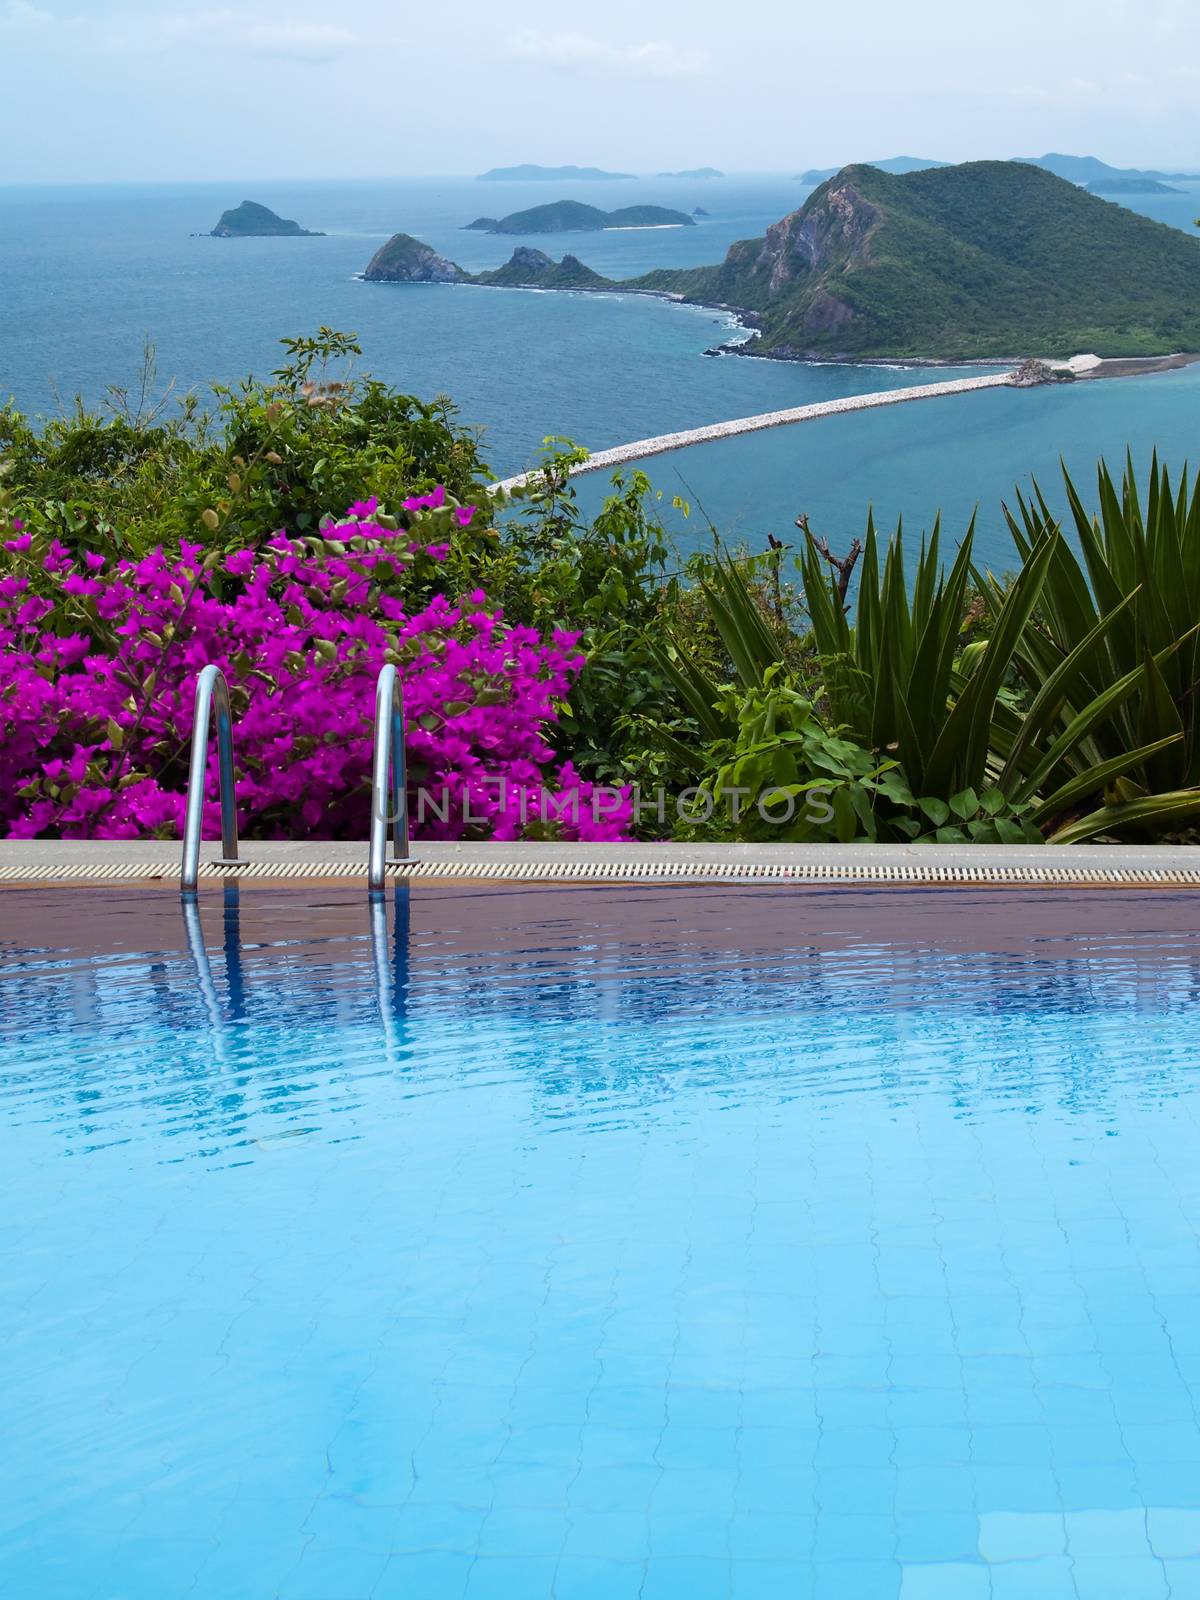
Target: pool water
670, 1243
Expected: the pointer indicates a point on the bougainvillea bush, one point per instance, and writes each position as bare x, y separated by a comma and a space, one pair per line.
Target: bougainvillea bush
99, 660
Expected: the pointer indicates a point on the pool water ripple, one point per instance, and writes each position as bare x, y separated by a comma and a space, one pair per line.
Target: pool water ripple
566, 1243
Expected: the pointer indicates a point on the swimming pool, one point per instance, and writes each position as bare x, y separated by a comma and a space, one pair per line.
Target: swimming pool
630, 1241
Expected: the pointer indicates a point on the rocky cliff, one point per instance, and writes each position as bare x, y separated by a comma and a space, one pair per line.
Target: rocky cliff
527, 268
404, 259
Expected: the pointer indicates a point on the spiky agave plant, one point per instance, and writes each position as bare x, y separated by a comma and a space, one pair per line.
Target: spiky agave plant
897, 680
1112, 659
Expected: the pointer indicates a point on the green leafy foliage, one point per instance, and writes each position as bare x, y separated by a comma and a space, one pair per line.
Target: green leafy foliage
1062, 718
947, 704
143, 471
1113, 661
149, 471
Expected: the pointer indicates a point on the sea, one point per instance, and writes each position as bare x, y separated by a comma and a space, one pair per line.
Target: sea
90, 275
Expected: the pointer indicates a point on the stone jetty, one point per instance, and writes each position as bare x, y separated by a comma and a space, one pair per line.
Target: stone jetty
664, 442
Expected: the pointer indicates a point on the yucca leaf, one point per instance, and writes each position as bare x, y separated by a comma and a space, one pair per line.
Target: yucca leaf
1072, 736
694, 687
1159, 718
1155, 813
1086, 783
961, 748
1056, 687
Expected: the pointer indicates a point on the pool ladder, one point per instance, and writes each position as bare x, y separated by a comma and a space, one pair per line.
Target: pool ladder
388, 780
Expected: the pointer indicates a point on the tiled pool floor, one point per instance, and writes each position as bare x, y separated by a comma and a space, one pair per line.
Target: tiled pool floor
668, 1244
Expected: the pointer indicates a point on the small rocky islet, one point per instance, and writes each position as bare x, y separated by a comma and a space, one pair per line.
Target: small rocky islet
251, 220
404, 259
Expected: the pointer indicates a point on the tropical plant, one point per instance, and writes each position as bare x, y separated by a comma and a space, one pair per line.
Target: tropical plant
1112, 661
900, 684
779, 772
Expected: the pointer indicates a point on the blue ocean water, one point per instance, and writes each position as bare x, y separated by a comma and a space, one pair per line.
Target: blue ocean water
657, 1243
88, 274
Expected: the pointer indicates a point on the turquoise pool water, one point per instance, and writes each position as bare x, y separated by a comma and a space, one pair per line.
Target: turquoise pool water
628, 1242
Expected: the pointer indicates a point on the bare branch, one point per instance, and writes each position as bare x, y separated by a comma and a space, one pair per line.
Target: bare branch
844, 566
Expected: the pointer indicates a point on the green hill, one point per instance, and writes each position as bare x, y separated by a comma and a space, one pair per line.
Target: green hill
573, 216
252, 221
991, 258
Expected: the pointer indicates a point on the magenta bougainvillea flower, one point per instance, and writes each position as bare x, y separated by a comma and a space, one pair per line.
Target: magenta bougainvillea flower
99, 660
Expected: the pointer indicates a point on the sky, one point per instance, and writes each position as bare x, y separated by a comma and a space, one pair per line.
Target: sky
177, 90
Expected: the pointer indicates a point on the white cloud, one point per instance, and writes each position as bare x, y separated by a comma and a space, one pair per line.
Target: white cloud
577, 52
20, 16
291, 41
130, 33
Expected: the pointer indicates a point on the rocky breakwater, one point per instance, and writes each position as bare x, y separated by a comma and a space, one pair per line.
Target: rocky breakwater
664, 442
1031, 373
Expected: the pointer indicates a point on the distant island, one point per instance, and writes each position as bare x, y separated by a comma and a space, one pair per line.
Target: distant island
1089, 169
1117, 185
252, 221
925, 265
895, 164
700, 212
1083, 170
528, 172
694, 172
572, 216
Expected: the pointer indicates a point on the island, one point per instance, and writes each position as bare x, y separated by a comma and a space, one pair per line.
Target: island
986, 259
894, 164
1117, 185
1082, 170
252, 221
404, 259
527, 268
572, 216
1090, 169
700, 212
529, 172
694, 172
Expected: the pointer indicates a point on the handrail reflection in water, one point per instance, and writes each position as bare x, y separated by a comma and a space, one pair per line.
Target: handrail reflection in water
219, 1019
389, 966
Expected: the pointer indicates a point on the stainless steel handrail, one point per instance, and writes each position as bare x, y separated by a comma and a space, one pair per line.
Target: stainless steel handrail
389, 780
210, 686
